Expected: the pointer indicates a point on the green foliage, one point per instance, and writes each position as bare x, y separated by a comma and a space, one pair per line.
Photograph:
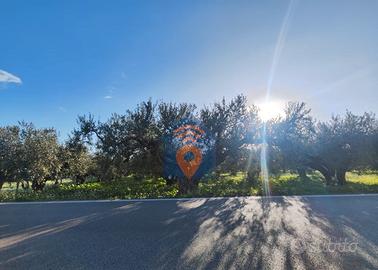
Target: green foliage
28, 153
40, 154
126, 143
133, 144
213, 186
10, 153
227, 185
127, 188
76, 161
234, 127
292, 184
346, 143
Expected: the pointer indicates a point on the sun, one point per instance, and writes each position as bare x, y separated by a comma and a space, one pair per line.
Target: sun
271, 109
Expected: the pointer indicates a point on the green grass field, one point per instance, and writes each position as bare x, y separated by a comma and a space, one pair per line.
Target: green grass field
224, 185
291, 184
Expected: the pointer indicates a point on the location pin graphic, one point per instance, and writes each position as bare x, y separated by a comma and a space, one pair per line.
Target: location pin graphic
190, 167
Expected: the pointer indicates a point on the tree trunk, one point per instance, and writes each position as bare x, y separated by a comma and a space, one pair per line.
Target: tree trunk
2, 179
328, 175
253, 177
80, 179
38, 186
340, 175
25, 184
170, 180
186, 186
302, 173
325, 170
183, 189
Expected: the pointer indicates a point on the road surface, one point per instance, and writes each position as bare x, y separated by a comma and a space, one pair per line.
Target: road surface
320, 232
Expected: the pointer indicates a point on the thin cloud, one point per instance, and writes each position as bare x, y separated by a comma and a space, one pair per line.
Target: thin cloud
6, 77
62, 109
108, 97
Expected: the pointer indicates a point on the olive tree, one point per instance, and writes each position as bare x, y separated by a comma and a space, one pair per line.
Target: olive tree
11, 163
233, 126
40, 150
345, 143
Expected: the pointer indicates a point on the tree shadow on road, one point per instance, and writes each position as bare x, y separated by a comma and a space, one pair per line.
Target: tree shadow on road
233, 233
276, 233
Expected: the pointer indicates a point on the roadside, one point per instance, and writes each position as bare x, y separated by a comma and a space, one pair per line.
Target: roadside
225, 185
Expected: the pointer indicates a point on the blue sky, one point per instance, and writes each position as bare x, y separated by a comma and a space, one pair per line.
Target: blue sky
75, 57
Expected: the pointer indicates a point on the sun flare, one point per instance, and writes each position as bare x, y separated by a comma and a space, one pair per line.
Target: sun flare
270, 110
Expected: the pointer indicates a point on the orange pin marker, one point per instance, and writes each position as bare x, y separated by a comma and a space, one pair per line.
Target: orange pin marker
189, 168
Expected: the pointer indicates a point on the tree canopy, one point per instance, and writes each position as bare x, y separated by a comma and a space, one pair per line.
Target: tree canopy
133, 143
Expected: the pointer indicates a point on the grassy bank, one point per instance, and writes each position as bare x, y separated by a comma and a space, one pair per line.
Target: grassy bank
224, 185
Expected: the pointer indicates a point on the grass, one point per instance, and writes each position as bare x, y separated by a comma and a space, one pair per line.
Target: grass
223, 185
292, 184
127, 188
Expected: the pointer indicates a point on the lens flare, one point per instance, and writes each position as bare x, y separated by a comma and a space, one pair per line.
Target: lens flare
276, 56
270, 110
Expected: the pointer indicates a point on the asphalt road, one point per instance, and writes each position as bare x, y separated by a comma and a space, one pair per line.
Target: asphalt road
335, 232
